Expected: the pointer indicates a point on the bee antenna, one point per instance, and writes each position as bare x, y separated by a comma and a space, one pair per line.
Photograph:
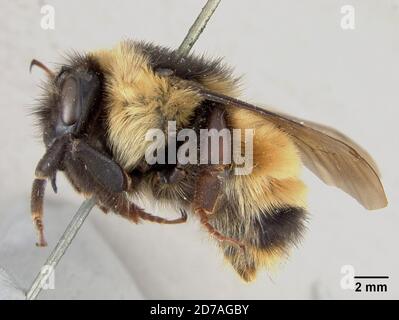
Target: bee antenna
41, 65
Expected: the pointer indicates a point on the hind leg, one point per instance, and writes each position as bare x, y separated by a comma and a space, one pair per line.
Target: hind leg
205, 198
215, 233
209, 184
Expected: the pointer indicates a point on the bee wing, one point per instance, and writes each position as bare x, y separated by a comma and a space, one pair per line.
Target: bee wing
333, 157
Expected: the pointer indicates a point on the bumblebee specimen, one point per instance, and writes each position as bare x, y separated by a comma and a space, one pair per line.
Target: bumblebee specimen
97, 109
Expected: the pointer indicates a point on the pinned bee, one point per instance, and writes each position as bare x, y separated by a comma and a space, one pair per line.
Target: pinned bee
94, 117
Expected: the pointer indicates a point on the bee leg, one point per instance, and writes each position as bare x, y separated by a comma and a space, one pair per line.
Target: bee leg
114, 182
209, 183
49, 163
100, 166
120, 204
45, 169
203, 214
137, 213
207, 189
134, 213
210, 180
36, 203
205, 199
149, 217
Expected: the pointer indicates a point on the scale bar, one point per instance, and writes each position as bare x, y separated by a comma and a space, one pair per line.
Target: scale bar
371, 277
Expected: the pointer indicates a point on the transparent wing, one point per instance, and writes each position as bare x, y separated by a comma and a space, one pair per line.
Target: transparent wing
333, 157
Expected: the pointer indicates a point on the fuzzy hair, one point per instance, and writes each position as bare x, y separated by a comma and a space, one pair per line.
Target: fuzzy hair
266, 208
138, 99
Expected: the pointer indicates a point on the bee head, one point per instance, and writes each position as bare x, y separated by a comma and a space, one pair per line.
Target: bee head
71, 95
67, 118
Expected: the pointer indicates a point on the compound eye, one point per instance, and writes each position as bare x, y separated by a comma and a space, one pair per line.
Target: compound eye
70, 107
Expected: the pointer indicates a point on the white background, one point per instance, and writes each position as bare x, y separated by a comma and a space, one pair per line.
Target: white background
295, 56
